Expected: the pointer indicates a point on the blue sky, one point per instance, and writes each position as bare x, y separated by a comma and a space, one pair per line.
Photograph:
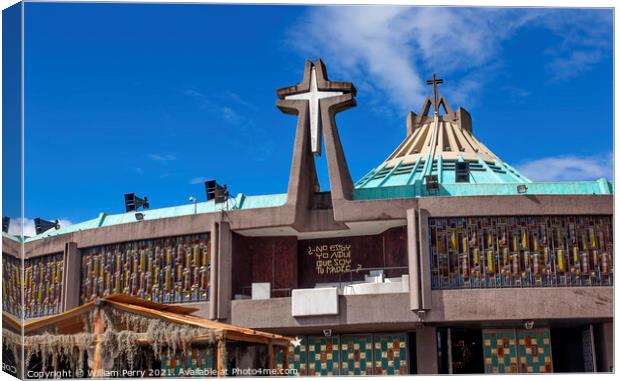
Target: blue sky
153, 99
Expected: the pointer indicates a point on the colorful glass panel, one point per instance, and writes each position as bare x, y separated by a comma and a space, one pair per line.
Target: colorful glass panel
356, 354
323, 356
43, 285
528, 251
390, 354
165, 270
500, 351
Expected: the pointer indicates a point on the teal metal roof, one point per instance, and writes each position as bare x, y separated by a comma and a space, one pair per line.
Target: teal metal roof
402, 174
240, 202
418, 189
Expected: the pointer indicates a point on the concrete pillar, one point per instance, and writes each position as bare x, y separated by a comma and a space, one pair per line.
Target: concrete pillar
71, 277
426, 350
224, 271
425, 260
213, 290
412, 255
604, 344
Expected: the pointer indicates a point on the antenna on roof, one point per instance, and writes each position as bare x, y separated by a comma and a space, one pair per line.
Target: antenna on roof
133, 202
41, 225
6, 221
216, 192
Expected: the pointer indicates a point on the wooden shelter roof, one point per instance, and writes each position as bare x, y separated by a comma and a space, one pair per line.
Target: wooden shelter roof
70, 321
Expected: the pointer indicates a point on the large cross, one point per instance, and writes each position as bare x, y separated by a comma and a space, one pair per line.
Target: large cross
313, 95
435, 81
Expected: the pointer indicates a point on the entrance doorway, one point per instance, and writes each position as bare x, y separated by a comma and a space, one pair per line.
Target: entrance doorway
572, 349
467, 355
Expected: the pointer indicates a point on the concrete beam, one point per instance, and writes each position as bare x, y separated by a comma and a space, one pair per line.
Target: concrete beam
425, 261
412, 256
426, 350
71, 276
224, 272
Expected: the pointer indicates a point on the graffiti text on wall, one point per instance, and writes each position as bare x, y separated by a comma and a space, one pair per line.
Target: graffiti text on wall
332, 259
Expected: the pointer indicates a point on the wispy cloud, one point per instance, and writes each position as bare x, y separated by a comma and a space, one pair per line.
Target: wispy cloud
29, 230
568, 168
391, 50
198, 180
225, 105
162, 158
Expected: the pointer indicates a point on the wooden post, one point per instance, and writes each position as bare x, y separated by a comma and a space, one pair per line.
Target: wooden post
221, 348
271, 358
99, 328
284, 360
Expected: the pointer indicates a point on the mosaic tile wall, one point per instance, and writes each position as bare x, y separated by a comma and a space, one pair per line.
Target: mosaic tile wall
196, 361
517, 351
543, 251
500, 351
166, 270
354, 354
298, 358
391, 354
323, 356
535, 351
43, 287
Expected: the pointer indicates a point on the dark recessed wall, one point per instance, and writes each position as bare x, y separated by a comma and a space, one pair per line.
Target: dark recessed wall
286, 264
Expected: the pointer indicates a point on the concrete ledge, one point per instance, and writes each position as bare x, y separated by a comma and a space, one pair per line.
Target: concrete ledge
391, 311
522, 303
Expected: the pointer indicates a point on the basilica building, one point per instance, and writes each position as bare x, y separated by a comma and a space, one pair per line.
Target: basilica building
442, 259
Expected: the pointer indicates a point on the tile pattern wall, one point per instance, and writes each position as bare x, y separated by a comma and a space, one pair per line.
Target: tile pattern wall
517, 351
351, 354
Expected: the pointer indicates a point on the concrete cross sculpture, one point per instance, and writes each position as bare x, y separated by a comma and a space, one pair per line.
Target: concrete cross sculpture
316, 100
314, 89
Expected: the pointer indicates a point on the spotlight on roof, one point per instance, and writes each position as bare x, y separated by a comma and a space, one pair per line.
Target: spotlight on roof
521, 189
133, 202
215, 191
6, 221
139, 216
41, 225
432, 182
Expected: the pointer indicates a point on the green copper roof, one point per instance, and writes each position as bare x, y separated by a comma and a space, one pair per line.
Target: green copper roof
418, 189
239, 202
411, 173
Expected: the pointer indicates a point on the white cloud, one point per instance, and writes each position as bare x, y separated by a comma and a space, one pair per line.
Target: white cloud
29, 231
568, 168
393, 49
163, 158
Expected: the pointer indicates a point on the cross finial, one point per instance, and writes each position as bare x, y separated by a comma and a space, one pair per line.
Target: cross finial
435, 81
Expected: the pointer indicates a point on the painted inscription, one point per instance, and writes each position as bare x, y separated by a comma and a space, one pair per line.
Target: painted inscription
332, 259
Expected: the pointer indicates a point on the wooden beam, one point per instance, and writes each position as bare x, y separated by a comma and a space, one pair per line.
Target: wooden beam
271, 357
285, 359
221, 348
99, 328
